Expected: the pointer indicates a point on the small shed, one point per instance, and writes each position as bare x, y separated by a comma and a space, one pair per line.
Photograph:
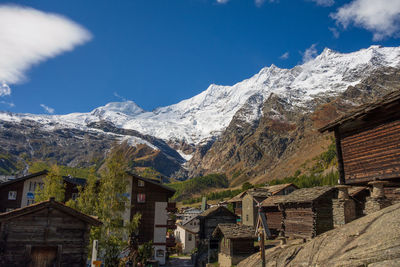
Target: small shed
307, 212
359, 194
273, 215
236, 242
47, 233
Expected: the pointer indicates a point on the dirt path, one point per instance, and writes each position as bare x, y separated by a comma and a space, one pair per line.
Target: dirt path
182, 261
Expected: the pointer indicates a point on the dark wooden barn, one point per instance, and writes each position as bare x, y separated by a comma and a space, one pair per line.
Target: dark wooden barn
307, 212
45, 234
236, 242
368, 142
210, 219
272, 214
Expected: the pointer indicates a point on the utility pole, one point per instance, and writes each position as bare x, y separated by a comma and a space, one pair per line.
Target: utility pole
262, 247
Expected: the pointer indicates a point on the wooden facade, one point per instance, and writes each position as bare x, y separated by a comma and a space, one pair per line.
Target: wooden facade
144, 195
210, 219
24, 187
45, 234
307, 212
236, 242
368, 142
273, 215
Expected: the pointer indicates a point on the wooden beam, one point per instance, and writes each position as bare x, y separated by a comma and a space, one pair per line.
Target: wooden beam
339, 156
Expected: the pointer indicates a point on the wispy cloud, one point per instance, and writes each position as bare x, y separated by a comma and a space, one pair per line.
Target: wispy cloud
29, 36
47, 108
310, 53
284, 55
222, 1
4, 89
9, 104
381, 17
324, 2
335, 32
120, 97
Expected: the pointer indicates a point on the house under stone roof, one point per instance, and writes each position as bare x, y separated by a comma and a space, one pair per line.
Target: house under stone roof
305, 195
234, 231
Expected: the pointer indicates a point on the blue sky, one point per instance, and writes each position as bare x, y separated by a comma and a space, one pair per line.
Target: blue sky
158, 52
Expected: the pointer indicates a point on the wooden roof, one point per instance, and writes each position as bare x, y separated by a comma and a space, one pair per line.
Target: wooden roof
213, 210
51, 203
305, 195
234, 231
359, 111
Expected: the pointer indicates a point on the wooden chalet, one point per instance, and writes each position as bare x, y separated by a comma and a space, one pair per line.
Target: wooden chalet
151, 199
20, 192
236, 242
45, 234
368, 143
307, 212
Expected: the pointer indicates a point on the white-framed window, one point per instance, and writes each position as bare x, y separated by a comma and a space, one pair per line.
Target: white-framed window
74, 196
140, 183
12, 195
141, 198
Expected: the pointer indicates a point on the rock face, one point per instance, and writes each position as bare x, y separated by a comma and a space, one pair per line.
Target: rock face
284, 136
373, 240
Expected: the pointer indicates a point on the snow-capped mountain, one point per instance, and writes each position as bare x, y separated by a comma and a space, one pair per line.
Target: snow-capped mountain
208, 113
194, 121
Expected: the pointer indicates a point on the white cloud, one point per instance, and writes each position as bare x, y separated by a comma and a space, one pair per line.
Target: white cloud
310, 53
47, 108
222, 1
381, 17
29, 36
324, 2
9, 104
259, 2
284, 55
5, 89
335, 32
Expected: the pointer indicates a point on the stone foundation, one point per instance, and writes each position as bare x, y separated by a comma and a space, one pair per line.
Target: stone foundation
374, 204
344, 211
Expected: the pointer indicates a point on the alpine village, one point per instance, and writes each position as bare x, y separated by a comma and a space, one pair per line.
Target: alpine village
296, 166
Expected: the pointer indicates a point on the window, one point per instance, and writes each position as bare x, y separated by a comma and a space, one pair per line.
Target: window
9, 209
190, 237
141, 198
247, 217
12, 195
140, 183
74, 196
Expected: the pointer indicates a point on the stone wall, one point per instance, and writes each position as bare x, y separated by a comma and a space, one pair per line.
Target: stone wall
344, 211
374, 204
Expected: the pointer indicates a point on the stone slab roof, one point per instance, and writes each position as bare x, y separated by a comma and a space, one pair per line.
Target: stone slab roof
234, 231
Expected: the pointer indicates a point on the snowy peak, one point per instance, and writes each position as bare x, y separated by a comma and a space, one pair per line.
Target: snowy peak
128, 108
207, 114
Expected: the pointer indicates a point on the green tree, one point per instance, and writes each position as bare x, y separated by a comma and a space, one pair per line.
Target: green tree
53, 186
246, 186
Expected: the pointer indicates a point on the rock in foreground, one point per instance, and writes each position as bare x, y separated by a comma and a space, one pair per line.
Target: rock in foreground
373, 240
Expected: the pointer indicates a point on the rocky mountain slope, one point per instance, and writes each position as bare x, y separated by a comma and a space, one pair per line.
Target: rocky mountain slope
246, 130
372, 241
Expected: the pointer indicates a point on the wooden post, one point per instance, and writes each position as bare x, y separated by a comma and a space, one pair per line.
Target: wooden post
94, 252
262, 247
339, 156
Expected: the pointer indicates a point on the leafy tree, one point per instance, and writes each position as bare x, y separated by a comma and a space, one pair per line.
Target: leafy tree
53, 186
246, 186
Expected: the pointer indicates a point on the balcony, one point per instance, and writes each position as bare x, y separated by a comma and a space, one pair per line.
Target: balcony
171, 207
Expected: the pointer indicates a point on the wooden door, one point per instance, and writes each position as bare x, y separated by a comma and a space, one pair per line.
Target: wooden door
43, 257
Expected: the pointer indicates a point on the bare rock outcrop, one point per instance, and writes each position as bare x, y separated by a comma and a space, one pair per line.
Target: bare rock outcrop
373, 241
